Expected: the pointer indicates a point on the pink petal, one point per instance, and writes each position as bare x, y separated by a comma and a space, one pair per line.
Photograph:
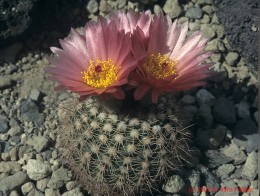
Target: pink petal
96, 43
173, 34
179, 43
155, 95
138, 44
141, 91
158, 32
74, 54
119, 94
189, 45
78, 41
144, 22
195, 62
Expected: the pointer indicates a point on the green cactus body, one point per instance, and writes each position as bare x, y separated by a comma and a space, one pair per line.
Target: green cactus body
114, 154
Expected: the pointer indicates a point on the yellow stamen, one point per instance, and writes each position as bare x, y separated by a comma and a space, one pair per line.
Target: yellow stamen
100, 74
159, 66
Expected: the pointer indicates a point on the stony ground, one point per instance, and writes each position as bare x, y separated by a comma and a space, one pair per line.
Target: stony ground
225, 110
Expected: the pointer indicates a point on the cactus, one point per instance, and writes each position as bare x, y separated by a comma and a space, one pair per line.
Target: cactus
123, 153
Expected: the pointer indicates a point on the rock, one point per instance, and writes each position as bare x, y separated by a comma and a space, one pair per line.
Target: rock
255, 104
5, 82
216, 158
204, 2
12, 182
232, 58
225, 170
224, 111
211, 138
205, 19
208, 32
4, 146
3, 124
27, 187
73, 192
39, 143
204, 117
14, 193
35, 95
157, 9
256, 116
92, 6
219, 30
35, 192
188, 99
211, 181
37, 170
71, 185
254, 192
194, 13
174, 184
15, 130
234, 152
205, 97
42, 184
208, 9
242, 183
173, 8
246, 135
215, 45
243, 109
11, 69
228, 188
15, 140
190, 111
192, 182
51, 192
104, 6
121, 3
13, 154
58, 178
30, 112
238, 29
250, 168
9, 167
194, 26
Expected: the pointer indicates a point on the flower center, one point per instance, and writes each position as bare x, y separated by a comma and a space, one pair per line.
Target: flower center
159, 66
100, 74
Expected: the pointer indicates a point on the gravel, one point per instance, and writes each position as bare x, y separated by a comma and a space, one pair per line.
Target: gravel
173, 8
224, 111
37, 169
246, 135
11, 182
250, 168
194, 13
205, 97
234, 152
174, 184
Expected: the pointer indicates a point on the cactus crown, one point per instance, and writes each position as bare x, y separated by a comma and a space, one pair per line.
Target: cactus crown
120, 154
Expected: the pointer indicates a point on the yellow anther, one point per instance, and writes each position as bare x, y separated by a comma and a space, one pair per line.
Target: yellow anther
100, 74
159, 66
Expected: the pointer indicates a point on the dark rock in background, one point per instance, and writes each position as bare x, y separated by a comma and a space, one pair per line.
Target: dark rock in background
19, 18
240, 20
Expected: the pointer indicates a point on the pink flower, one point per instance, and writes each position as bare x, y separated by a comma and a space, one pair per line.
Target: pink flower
171, 61
95, 60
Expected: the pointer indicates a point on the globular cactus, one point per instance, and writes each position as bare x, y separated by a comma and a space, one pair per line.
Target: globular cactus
114, 154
